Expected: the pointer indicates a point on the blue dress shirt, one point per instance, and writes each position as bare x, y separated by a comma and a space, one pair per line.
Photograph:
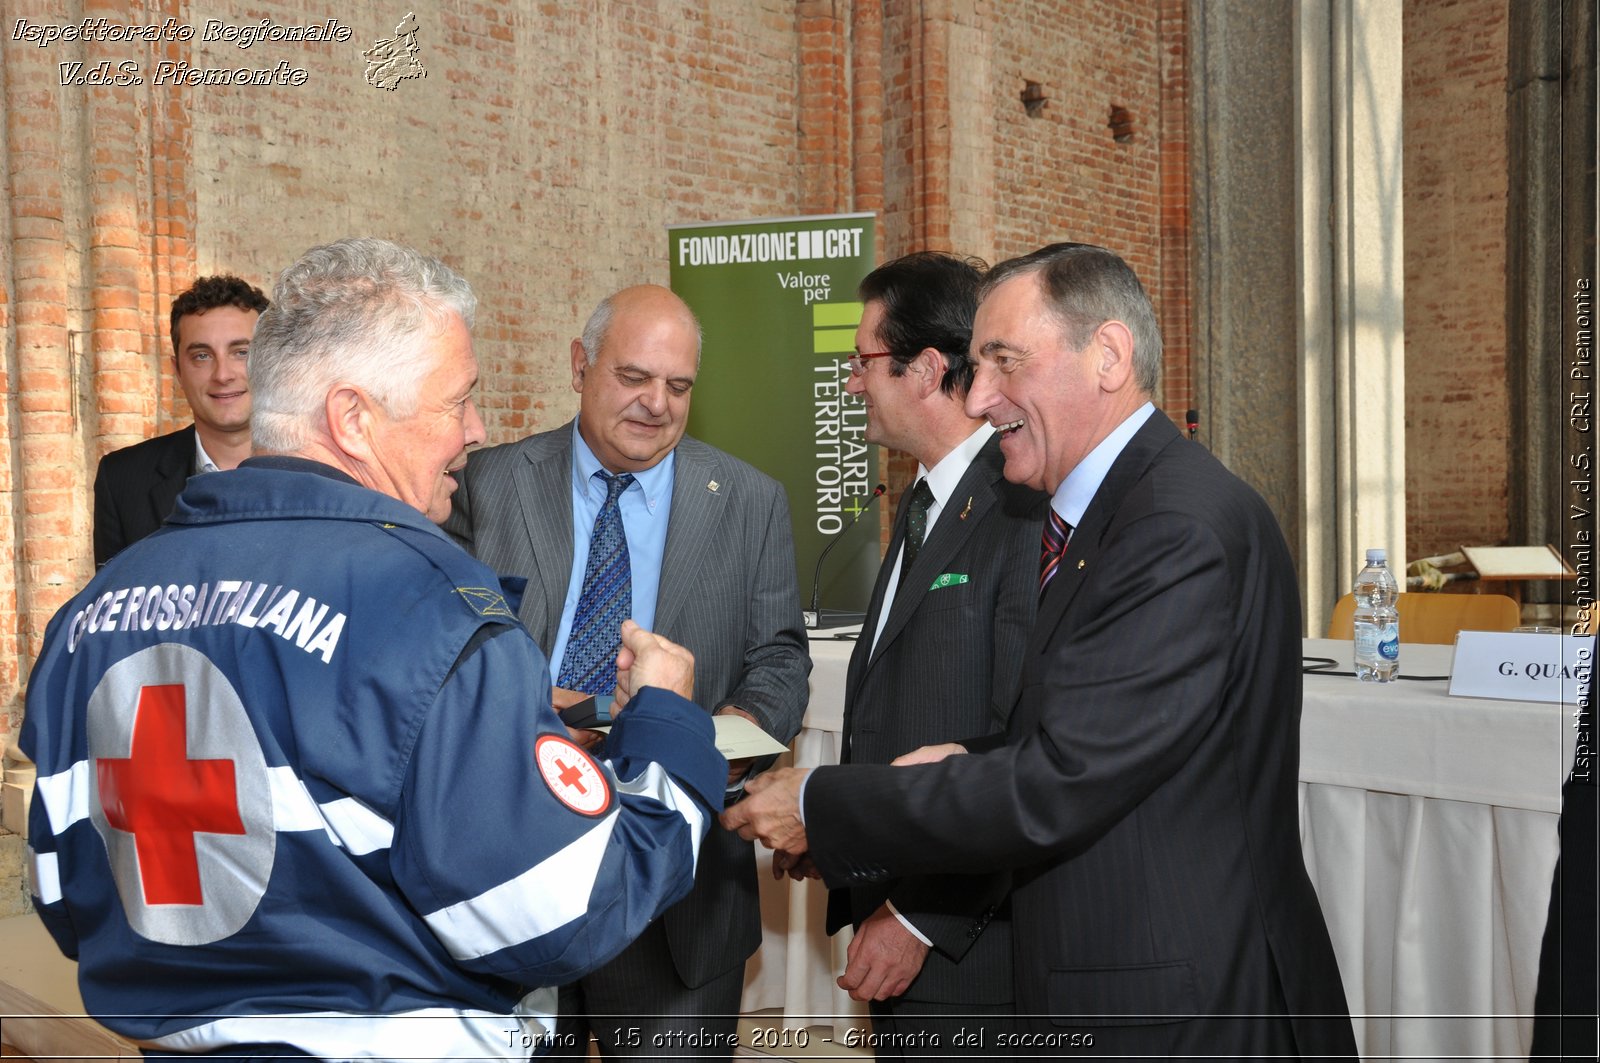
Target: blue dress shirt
646, 510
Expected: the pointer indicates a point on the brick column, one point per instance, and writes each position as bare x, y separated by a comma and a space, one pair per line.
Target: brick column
825, 118
866, 106
126, 376
1169, 289
44, 554
96, 239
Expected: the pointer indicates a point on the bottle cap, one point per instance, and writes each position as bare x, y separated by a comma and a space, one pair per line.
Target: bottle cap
1377, 557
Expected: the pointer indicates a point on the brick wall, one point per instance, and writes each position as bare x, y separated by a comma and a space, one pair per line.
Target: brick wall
1056, 175
97, 227
1457, 406
1063, 175
543, 154
550, 144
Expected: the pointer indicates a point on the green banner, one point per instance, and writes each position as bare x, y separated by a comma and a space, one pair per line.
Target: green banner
776, 300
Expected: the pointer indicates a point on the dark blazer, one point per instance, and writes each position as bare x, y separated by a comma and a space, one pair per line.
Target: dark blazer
728, 593
946, 668
1147, 792
135, 489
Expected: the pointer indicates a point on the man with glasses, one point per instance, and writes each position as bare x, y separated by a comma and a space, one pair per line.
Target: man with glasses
939, 654
1146, 792
619, 514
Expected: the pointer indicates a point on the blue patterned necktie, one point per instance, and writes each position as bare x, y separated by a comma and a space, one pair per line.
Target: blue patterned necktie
606, 600
1051, 547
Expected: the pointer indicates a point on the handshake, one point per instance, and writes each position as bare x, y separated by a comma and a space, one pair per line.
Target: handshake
770, 811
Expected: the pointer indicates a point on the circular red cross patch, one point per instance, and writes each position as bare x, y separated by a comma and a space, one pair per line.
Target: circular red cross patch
572, 775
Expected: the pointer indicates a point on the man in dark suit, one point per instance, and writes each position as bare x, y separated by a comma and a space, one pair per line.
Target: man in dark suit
1146, 793
135, 487
710, 563
940, 650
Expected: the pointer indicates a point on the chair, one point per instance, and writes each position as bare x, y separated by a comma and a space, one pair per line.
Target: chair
1435, 617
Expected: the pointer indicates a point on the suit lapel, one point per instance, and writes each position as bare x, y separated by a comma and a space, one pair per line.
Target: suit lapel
880, 589
958, 519
1085, 545
696, 509
173, 468
544, 490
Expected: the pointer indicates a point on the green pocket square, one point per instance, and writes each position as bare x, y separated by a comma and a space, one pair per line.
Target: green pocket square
949, 579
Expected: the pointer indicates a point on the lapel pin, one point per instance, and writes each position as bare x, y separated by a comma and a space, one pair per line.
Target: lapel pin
966, 509
712, 486
1081, 563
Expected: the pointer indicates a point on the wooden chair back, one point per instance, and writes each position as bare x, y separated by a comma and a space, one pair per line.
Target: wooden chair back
1436, 618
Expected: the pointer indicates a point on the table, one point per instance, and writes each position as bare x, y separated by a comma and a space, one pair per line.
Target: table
1429, 830
795, 968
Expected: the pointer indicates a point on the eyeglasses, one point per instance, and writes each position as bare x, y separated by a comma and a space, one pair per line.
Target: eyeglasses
858, 362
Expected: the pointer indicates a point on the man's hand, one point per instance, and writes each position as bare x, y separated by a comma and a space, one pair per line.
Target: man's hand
797, 866
585, 739
928, 754
562, 698
648, 660
883, 960
738, 769
771, 811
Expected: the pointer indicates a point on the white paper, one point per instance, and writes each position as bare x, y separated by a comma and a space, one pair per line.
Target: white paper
738, 738
1522, 666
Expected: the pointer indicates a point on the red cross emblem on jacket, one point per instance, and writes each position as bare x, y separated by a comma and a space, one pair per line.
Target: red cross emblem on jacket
163, 798
182, 795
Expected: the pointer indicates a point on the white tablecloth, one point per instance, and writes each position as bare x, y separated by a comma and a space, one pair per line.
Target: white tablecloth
797, 963
1429, 829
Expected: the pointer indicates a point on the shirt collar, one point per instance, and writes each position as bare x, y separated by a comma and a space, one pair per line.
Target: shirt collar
202, 460
1078, 489
654, 482
943, 477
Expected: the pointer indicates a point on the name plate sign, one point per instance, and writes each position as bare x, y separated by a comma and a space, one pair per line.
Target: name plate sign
1522, 666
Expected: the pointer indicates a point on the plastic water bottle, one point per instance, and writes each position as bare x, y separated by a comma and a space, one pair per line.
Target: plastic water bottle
1377, 621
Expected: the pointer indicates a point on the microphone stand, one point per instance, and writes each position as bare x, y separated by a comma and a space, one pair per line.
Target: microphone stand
813, 617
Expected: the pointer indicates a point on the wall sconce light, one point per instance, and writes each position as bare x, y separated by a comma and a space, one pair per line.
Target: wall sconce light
1121, 124
1033, 98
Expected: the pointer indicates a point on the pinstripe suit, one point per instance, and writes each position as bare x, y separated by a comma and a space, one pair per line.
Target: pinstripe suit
728, 593
1147, 790
946, 668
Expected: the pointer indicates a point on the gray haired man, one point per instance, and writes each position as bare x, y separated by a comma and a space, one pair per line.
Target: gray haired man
300, 786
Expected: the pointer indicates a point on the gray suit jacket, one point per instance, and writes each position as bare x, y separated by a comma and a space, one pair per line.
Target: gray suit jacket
728, 593
946, 668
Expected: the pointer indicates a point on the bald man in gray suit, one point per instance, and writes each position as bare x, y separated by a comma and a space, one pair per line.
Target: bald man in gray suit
710, 564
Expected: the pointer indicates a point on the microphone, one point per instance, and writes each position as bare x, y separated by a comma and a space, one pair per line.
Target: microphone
1192, 419
813, 618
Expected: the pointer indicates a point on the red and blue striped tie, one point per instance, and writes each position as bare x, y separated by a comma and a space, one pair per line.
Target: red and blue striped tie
1052, 546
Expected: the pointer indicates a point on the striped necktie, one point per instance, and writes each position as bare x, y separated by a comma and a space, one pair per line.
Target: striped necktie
1052, 546
605, 601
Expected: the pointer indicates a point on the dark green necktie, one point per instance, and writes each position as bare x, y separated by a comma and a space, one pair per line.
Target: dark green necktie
917, 522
